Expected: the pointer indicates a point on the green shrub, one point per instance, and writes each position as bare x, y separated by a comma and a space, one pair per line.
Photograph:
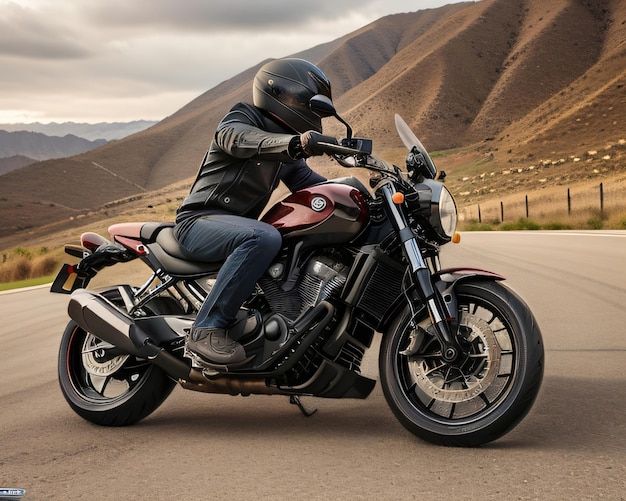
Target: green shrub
520, 224
595, 223
474, 225
22, 251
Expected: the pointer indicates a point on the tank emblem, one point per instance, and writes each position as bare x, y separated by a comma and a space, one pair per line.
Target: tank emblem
318, 204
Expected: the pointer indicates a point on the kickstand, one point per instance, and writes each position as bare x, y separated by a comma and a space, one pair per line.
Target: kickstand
295, 400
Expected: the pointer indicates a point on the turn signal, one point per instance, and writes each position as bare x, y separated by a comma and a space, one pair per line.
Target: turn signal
456, 238
398, 198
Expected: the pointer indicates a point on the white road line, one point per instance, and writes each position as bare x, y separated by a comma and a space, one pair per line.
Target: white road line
590, 233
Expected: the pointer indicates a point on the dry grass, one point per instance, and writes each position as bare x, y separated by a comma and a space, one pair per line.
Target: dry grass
22, 263
597, 202
583, 202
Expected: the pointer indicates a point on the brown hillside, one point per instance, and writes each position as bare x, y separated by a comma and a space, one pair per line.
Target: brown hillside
589, 111
517, 80
363, 53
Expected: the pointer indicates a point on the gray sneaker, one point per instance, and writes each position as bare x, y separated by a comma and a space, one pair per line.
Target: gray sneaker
215, 347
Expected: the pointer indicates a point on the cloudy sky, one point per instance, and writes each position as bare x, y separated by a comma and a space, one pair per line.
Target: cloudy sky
122, 60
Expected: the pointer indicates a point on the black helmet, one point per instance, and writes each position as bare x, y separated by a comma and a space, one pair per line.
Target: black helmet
283, 88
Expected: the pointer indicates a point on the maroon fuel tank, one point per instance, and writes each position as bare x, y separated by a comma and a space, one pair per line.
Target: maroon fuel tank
328, 213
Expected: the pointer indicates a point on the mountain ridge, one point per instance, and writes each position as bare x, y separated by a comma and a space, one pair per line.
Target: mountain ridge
39, 146
23, 144
108, 131
14, 162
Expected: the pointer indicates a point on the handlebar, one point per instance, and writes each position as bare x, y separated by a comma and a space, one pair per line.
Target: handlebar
357, 152
354, 157
337, 149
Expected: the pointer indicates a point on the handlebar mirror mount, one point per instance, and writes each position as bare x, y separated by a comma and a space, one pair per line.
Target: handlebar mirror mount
323, 107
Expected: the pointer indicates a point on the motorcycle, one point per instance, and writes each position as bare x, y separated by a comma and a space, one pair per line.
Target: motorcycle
461, 354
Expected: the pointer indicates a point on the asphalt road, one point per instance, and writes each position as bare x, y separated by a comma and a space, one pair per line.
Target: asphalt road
571, 446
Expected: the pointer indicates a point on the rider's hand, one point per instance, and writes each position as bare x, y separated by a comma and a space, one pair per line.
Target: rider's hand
310, 140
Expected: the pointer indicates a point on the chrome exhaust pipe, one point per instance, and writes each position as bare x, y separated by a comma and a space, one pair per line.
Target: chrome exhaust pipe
101, 318
98, 316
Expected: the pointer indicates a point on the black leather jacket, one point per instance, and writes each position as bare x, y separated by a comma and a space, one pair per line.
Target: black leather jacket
249, 155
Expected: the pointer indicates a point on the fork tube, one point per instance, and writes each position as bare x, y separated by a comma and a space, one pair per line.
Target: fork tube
450, 349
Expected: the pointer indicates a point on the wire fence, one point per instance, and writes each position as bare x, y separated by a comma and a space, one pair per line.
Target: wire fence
597, 201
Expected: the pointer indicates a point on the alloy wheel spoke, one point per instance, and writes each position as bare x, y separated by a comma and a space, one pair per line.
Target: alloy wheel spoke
474, 384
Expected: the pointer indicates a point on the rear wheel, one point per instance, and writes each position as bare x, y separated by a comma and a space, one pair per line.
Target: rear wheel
105, 386
479, 398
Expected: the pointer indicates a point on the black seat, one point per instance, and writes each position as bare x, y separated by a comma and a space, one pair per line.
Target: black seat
160, 240
149, 231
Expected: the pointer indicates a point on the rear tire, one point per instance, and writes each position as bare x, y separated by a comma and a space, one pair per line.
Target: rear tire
109, 391
105, 386
480, 398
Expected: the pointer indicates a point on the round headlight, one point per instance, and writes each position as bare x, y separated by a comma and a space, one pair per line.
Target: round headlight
437, 207
446, 211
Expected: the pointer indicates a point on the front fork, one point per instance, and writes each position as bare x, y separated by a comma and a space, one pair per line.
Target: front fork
450, 349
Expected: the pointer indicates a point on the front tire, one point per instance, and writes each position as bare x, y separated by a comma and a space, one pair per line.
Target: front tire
480, 398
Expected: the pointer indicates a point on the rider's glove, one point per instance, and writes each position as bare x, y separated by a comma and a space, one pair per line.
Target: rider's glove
310, 140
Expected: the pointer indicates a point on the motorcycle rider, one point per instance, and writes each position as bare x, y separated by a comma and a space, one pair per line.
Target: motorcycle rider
253, 149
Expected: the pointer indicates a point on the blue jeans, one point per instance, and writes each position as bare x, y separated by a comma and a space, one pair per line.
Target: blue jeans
248, 247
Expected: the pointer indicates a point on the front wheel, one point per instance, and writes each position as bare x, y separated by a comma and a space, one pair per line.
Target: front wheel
479, 398
105, 386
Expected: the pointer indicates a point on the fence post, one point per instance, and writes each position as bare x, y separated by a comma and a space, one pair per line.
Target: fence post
601, 200
569, 203
526, 206
502, 211
480, 219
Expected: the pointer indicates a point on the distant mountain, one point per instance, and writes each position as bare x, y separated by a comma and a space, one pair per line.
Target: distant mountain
41, 147
14, 162
102, 130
